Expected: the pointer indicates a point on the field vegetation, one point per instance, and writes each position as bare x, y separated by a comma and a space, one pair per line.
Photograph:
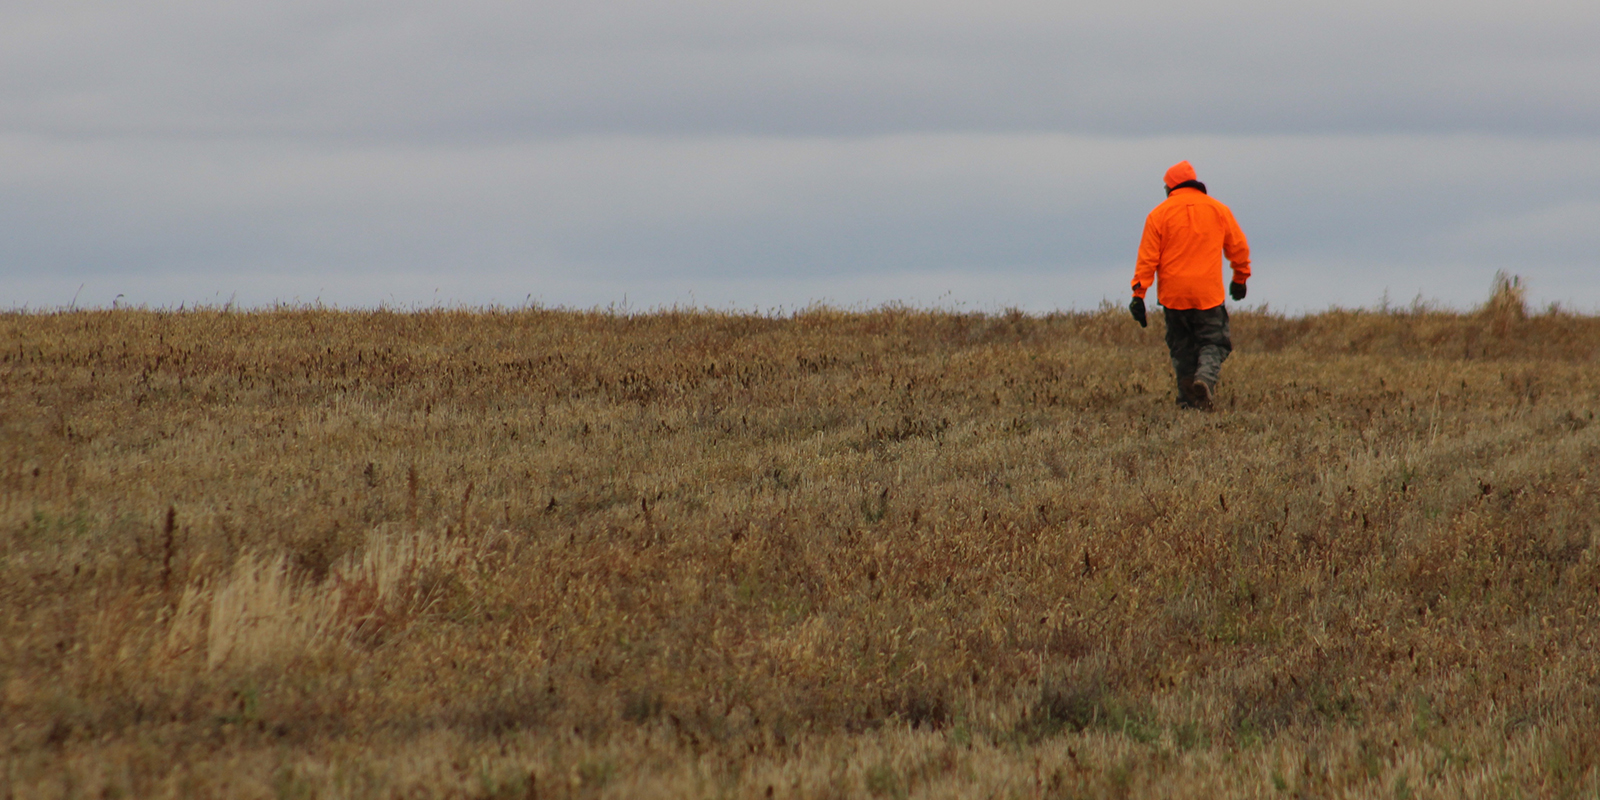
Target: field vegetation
302, 552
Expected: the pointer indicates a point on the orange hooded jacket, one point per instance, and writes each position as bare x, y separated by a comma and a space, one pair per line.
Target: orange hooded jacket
1184, 241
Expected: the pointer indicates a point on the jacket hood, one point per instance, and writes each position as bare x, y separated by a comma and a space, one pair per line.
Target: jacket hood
1181, 172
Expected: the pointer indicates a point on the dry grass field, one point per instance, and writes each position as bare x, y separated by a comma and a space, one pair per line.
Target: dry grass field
891, 553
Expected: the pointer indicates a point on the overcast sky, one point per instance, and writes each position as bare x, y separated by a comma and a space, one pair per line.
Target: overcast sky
769, 156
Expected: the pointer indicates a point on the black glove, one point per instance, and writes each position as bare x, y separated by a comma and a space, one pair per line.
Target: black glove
1236, 290
1136, 308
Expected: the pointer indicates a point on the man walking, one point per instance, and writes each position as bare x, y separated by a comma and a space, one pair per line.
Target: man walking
1184, 241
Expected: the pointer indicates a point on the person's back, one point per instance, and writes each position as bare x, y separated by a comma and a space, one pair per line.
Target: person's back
1181, 254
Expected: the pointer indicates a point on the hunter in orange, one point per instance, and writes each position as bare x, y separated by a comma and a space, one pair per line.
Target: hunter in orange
1181, 254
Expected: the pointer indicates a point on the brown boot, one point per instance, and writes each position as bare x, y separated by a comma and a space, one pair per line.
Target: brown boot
1186, 393
1200, 395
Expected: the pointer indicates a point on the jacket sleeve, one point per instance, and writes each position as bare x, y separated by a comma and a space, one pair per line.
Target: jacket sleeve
1237, 249
1144, 270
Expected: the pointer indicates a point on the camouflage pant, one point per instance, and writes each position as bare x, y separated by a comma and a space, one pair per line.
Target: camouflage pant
1198, 340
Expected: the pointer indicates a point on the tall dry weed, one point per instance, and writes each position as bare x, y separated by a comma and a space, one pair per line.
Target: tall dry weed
1507, 304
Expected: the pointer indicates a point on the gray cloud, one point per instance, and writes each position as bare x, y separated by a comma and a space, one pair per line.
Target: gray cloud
491, 69
1331, 219
760, 155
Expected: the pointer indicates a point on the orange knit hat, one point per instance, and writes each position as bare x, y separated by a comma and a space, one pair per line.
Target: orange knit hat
1179, 172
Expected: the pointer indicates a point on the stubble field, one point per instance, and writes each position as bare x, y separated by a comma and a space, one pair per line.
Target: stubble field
893, 553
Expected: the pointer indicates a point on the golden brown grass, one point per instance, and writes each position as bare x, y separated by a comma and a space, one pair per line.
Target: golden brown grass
894, 553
